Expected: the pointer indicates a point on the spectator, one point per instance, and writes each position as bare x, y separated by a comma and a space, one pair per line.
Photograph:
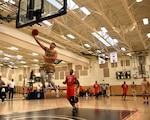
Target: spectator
96, 90
11, 88
108, 90
2, 83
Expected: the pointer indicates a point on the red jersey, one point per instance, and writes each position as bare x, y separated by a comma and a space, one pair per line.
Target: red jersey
96, 88
80, 88
124, 88
70, 80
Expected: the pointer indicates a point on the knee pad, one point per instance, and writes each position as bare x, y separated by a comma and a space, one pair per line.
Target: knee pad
73, 99
76, 99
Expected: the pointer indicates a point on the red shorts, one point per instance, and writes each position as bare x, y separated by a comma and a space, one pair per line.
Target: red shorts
70, 91
96, 91
124, 91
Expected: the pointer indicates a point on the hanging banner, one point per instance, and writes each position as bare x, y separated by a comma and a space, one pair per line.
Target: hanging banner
113, 57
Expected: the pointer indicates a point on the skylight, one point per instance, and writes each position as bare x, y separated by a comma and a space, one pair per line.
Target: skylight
85, 10
70, 4
11, 1
107, 37
47, 23
104, 29
100, 39
55, 3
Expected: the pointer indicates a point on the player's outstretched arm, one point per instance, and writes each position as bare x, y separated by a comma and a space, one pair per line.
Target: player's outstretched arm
34, 33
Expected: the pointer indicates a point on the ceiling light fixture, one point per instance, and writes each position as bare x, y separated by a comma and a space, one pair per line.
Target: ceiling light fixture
145, 21
23, 62
35, 60
19, 57
35, 54
123, 49
98, 51
1, 51
87, 45
148, 35
35, 65
139, 0
71, 36
13, 48
6, 58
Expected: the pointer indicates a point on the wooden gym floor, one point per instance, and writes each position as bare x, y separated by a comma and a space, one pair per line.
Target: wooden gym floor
112, 108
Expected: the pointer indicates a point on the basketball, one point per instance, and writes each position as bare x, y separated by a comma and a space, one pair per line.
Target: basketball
35, 32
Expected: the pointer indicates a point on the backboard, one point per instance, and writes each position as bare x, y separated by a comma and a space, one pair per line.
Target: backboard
32, 12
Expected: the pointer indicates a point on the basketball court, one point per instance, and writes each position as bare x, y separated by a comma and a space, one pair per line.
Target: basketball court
66, 114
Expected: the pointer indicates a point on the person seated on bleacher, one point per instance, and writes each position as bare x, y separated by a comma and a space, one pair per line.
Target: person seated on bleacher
3, 94
30, 89
38, 88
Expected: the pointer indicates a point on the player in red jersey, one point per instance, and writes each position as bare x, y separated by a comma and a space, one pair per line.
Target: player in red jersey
96, 90
71, 89
124, 90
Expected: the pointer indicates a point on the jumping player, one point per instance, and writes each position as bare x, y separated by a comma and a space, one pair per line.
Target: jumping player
48, 65
71, 90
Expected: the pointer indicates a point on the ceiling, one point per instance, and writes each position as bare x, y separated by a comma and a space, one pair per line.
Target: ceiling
122, 18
